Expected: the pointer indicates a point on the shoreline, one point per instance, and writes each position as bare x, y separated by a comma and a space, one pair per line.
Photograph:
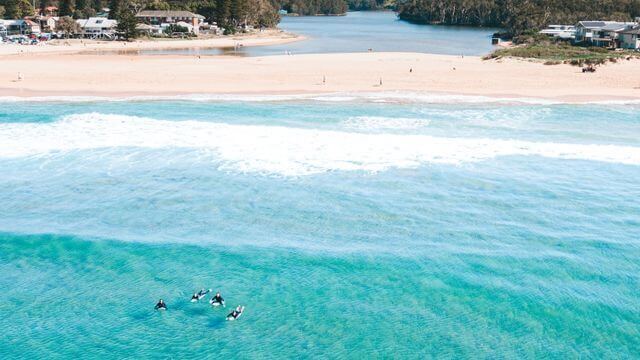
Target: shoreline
66, 75
386, 96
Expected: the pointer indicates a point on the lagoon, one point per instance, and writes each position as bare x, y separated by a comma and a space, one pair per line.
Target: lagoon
361, 31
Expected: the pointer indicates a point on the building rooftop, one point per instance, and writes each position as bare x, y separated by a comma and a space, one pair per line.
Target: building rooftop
606, 25
97, 22
634, 31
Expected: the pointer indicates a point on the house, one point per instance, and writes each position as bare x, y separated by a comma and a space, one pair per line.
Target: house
149, 30
630, 38
565, 32
33, 27
98, 27
16, 27
601, 33
47, 23
159, 17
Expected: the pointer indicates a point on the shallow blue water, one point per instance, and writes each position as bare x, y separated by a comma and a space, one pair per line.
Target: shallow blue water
361, 31
349, 228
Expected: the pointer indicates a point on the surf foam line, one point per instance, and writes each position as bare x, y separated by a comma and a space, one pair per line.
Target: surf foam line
374, 97
282, 150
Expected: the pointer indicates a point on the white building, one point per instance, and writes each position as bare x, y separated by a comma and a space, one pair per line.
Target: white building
565, 32
98, 27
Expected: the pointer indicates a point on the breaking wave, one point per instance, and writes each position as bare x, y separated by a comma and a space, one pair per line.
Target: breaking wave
281, 150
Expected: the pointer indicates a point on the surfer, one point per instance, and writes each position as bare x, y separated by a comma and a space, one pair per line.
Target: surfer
160, 305
199, 295
217, 300
235, 313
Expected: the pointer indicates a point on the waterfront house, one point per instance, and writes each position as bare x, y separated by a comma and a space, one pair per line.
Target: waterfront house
630, 38
161, 17
601, 33
98, 27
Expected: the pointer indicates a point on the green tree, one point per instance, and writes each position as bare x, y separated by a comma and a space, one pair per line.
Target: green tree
160, 5
127, 23
96, 5
12, 9
114, 8
68, 26
2, 11
66, 7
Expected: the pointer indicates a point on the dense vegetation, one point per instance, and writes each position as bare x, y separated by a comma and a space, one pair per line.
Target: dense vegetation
227, 13
15, 9
255, 12
331, 7
516, 16
313, 7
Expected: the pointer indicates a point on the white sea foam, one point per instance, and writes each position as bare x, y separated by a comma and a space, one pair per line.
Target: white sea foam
282, 150
376, 97
384, 123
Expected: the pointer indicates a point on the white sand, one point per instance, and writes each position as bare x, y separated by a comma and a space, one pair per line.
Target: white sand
124, 75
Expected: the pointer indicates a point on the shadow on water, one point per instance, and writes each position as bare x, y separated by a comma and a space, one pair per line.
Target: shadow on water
216, 322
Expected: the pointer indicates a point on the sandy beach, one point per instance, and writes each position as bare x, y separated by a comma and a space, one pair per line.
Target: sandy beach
72, 73
74, 46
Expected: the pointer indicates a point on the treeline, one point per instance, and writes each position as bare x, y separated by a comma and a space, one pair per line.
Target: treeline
330, 7
517, 16
314, 7
370, 4
228, 14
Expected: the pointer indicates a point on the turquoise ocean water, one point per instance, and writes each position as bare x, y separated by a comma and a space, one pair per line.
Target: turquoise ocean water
371, 226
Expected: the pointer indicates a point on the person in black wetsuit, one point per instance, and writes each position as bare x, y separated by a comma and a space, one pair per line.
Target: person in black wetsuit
160, 305
236, 312
217, 299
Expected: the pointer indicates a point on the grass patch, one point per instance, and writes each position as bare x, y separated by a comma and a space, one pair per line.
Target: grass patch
553, 53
